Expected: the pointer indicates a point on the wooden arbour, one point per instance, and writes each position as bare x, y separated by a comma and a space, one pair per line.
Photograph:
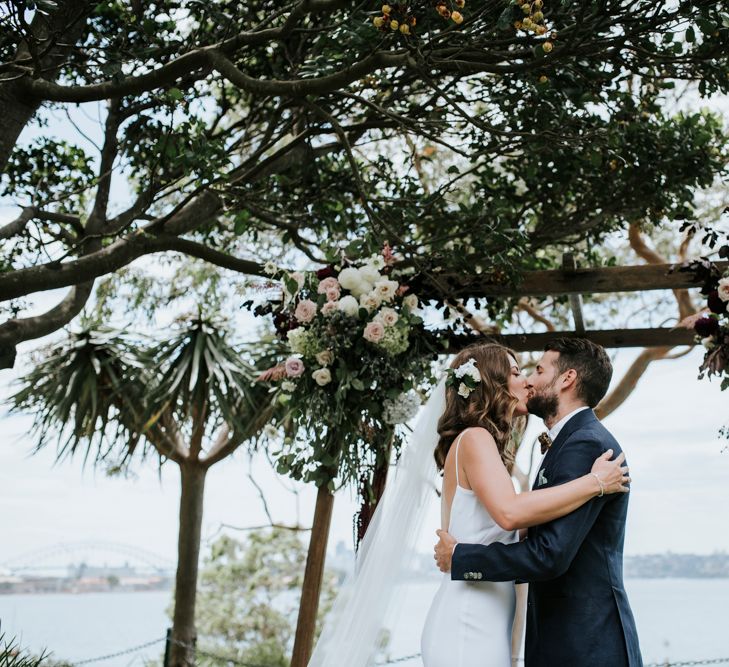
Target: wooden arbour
575, 282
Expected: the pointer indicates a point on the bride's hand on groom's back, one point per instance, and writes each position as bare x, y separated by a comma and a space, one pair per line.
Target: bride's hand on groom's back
612, 475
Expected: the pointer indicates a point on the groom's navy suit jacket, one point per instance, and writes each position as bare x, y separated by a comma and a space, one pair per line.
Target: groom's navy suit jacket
578, 613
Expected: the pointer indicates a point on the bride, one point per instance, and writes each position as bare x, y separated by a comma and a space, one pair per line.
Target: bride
470, 622
467, 430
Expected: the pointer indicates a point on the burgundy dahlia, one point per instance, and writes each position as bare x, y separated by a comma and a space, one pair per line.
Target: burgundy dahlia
706, 326
326, 272
716, 305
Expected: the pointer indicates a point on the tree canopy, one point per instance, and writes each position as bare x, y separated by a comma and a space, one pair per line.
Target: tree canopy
225, 125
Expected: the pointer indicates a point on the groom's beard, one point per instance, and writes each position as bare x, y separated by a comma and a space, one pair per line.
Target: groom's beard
543, 404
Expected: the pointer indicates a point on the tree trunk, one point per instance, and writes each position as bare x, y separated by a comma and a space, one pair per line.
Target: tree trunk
17, 111
67, 24
182, 654
313, 574
372, 493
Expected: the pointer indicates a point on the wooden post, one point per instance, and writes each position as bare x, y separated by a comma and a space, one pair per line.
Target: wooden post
313, 574
168, 641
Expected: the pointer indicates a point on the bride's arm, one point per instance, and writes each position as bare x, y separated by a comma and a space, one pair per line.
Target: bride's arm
492, 485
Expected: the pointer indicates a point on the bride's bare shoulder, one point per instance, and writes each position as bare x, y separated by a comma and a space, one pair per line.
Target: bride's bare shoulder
477, 436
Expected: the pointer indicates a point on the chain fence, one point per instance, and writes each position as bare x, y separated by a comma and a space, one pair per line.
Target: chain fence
393, 661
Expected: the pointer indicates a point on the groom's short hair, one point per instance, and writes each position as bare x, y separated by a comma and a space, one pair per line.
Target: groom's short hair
590, 362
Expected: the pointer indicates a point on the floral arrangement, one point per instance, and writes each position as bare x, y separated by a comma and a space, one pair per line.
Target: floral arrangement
711, 325
358, 361
466, 376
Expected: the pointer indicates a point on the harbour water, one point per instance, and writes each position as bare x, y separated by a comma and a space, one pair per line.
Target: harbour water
678, 619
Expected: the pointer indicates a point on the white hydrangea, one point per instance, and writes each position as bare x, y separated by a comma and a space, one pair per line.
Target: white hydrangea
297, 339
401, 409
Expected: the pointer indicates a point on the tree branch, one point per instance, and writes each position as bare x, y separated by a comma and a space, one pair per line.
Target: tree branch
16, 331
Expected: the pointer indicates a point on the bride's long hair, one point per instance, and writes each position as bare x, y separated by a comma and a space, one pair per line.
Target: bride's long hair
490, 405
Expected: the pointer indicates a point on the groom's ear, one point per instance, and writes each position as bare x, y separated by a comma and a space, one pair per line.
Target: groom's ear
569, 379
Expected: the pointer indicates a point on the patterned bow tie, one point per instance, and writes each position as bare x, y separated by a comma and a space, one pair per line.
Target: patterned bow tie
545, 441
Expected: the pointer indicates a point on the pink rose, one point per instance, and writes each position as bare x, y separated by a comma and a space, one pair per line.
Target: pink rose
294, 367
329, 307
332, 293
305, 311
328, 283
374, 332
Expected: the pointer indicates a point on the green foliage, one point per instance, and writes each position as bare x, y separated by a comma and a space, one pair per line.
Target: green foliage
11, 655
46, 171
248, 597
105, 392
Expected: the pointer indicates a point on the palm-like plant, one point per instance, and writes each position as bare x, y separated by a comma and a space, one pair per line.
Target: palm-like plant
190, 399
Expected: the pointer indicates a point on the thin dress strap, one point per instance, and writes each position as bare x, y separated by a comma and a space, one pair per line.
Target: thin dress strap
458, 444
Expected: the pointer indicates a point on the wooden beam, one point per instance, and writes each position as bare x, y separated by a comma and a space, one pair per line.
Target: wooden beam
578, 281
616, 338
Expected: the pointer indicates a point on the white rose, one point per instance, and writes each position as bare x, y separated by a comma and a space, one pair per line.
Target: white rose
386, 289
411, 301
724, 289
370, 301
348, 305
322, 376
387, 316
369, 273
463, 390
325, 358
287, 385
348, 278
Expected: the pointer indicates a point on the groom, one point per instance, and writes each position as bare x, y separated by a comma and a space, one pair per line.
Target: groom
578, 613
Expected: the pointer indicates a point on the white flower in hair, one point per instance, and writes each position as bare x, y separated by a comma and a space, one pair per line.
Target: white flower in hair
464, 390
468, 368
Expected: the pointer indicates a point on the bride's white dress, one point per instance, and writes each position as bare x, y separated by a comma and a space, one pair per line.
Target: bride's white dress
469, 623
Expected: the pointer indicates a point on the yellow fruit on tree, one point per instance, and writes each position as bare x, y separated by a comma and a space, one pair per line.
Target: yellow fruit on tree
394, 24
379, 21
457, 17
405, 29
386, 9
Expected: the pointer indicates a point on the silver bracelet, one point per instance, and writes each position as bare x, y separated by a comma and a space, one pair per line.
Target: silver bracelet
599, 481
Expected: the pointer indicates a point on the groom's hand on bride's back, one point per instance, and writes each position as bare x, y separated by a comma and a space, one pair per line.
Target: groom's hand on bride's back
444, 550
